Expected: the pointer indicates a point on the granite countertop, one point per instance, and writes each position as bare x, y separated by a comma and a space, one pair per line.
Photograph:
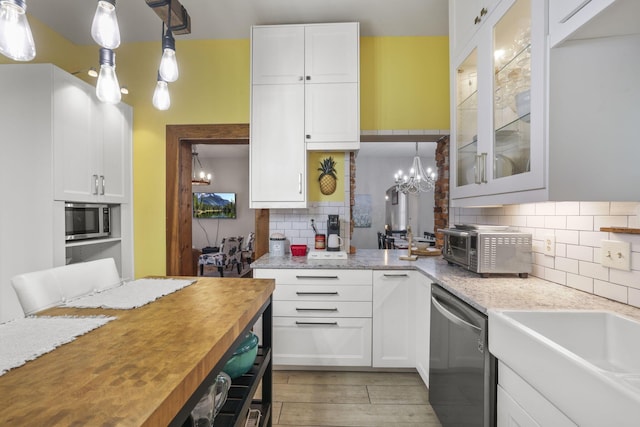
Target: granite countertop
499, 292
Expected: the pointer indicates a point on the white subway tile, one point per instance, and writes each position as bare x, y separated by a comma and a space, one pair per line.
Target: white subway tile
594, 208
592, 238
512, 210
635, 261
528, 209
580, 223
543, 260
582, 253
634, 297
568, 265
535, 221
567, 208
569, 237
582, 283
610, 290
591, 269
561, 250
493, 211
538, 271
546, 208
518, 221
609, 221
634, 221
555, 276
555, 222
625, 278
292, 234
537, 246
624, 208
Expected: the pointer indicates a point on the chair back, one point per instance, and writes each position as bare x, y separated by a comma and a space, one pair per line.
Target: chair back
251, 237
43, 289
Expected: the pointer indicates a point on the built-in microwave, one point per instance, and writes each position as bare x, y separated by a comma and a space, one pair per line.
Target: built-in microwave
86, 220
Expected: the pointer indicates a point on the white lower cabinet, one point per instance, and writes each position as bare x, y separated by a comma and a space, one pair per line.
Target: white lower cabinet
321, 317
394, 320
519, 404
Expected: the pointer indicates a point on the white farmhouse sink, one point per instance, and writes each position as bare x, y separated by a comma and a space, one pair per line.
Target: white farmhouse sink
587, 363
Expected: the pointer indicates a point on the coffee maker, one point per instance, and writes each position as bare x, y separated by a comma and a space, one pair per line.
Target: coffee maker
333, 227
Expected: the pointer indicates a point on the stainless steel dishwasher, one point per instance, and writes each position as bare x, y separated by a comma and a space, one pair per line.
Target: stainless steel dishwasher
462, 372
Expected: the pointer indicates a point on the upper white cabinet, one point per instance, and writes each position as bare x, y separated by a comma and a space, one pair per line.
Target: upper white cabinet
584, 19
92, 144
498, 106
465, 18
305, 96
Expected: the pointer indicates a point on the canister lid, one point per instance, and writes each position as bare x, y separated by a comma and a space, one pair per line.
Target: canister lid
277, 236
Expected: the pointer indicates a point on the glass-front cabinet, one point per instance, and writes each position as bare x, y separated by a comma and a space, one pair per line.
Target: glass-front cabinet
498, 116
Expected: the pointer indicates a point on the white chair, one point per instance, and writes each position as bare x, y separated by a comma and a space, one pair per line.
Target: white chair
44, 289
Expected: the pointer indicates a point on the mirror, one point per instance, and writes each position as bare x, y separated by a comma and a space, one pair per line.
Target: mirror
376, 164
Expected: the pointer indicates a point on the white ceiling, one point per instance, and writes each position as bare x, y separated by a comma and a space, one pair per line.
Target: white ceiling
231, 19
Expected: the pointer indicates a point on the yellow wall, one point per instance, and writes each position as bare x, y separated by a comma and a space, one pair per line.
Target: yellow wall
404, 83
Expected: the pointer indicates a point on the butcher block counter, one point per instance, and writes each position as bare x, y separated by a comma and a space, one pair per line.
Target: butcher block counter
147, 367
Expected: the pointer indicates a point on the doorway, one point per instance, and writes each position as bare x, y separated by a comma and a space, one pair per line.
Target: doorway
179, 139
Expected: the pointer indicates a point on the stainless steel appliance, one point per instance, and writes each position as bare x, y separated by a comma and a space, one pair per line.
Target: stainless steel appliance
86, 221
462, 372
488, 249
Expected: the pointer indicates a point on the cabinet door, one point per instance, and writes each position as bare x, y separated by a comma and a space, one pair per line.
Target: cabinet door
332, 53
423, 326
510, 414
115, 152
74, 137
277, 54
465, 18
394, 319
331, 116
322, 341
277, 152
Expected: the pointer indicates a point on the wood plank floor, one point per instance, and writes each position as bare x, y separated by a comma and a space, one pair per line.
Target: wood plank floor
354, 399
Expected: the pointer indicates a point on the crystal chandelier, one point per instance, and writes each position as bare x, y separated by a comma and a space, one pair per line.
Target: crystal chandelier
202, 178
417, 181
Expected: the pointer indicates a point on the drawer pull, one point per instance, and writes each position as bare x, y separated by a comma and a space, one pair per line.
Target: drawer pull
396, 275
316, 309
317, 323
316, 293
316, 277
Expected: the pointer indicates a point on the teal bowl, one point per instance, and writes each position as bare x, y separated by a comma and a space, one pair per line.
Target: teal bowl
243, 357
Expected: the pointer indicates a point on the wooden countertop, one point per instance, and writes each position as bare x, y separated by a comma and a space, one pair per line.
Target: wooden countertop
139, 369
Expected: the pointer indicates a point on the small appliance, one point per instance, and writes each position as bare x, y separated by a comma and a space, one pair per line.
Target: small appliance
333, 228
86, 221
488, 249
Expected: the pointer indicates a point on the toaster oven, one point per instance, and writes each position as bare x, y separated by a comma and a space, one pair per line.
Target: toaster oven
487, 249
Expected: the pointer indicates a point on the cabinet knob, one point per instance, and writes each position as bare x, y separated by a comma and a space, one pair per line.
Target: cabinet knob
308, 136
477, 20
301, 78
308, 77
483, 11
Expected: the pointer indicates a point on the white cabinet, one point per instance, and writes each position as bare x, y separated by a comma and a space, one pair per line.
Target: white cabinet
519, 404
585, 19
321, 317
498, 107
394, 319
465, 18
423, 326
305, 95
92, 144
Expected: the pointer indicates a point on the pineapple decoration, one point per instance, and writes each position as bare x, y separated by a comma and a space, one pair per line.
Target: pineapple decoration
327, 178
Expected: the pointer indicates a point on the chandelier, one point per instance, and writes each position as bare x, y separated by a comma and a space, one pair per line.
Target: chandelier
417, 181
202, 178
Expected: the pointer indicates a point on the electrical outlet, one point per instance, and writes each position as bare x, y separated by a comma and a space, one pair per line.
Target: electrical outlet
615, 254
549, 245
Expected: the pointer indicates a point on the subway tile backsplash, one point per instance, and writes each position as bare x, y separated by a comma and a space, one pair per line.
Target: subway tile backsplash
576, 228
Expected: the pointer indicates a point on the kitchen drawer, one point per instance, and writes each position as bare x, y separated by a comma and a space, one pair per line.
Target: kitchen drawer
321, 309
317, 341
322, 293
304, 276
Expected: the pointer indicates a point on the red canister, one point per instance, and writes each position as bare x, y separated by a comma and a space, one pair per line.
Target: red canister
320, 241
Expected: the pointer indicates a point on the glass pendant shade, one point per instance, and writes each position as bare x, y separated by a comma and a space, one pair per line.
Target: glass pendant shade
104, 29
169, 64
16, 40
108, 88
161, 98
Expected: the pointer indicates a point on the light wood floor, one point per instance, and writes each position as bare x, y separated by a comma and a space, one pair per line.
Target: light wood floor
366, 399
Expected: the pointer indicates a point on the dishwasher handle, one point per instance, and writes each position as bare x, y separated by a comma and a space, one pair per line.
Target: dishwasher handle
453, 318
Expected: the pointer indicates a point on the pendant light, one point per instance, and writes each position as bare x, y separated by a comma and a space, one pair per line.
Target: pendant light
161, 99
108, 88
168, 63
418, 181
104, 29
201, 178
16, 40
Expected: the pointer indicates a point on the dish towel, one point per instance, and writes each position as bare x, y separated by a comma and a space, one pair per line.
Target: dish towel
130, 294
28, 338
